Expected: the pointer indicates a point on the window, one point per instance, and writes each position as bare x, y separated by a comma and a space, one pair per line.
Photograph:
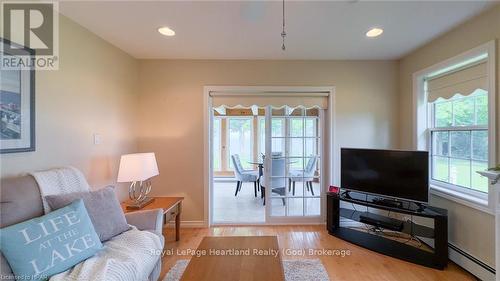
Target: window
454, 119
459, 140
240, 140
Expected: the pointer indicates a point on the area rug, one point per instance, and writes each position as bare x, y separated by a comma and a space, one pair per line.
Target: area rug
295, 270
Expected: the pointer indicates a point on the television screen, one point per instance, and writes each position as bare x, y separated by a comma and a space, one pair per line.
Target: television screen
393, 173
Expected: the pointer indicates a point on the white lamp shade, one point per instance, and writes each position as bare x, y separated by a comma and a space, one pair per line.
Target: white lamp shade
137, 167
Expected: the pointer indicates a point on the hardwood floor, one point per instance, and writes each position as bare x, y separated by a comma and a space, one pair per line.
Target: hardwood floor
360, 265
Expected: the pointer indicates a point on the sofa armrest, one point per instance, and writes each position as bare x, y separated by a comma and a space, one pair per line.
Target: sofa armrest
151, 220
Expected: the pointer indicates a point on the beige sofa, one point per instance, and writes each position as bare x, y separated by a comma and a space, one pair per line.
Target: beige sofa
20, 200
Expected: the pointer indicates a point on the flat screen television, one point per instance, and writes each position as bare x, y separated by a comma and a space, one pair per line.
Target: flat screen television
390, 173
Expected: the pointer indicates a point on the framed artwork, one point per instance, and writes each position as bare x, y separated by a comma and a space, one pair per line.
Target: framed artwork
17, 107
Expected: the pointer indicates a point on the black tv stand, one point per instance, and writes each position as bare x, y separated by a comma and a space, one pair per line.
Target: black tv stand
436, 237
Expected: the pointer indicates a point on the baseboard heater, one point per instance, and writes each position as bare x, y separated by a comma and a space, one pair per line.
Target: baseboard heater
473, 265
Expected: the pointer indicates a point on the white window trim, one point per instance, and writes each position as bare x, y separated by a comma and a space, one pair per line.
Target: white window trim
421, 119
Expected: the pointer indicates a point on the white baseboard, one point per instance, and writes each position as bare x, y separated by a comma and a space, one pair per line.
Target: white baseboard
467, 262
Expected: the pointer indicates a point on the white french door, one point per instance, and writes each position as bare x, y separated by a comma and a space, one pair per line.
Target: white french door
295, 136
293, 164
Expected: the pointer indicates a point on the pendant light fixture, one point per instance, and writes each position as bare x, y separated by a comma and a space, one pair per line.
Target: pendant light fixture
283, 33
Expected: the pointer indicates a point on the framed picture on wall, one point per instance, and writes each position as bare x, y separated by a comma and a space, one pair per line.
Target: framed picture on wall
17, 106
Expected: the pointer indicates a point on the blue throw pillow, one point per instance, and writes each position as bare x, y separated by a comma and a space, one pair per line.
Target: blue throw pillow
41, 247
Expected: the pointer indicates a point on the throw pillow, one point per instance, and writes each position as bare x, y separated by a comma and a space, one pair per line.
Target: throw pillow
41, 247
103, 207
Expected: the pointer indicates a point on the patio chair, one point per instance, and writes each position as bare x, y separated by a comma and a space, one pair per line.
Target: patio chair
278, 185
243, 175
306, 175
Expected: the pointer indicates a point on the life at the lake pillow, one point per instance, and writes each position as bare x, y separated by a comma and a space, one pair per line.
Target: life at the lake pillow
41, 247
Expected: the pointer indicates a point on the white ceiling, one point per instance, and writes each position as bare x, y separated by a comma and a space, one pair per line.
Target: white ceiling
251, 30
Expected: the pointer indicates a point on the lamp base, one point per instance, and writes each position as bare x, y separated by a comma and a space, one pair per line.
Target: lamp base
133, 205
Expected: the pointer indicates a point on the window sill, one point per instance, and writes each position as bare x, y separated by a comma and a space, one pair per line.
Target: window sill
461, 198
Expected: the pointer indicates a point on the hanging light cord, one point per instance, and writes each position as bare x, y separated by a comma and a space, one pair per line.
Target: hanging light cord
283, 33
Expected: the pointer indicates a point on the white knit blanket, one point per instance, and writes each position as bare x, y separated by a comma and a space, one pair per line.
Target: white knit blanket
59, 181
131, 255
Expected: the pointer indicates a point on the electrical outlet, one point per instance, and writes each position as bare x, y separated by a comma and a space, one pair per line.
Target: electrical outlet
97, 139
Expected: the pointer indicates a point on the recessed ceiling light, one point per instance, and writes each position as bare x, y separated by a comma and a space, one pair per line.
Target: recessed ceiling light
374, 32
166, 31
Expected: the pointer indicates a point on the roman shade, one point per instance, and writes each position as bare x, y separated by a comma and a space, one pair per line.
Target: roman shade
275, 99
463, 81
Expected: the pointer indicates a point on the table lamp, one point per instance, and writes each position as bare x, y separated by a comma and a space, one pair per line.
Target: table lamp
138, 168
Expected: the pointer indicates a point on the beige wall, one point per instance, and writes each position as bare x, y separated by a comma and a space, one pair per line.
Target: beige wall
171, 110
94, 91
471, 230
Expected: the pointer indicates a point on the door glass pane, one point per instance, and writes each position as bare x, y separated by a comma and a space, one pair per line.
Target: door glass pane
278, 146
460, 144
295, 206
440, 168
240, 140
460, 172
296, 127
278, 128
311, 127
311, 147
443, 114
296, 147
313, 206
277, 132
277, 207
295, 168
217, 144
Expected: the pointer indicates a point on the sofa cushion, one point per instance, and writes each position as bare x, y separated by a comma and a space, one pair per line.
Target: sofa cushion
103, 207
43, 246
20, 200
5, 270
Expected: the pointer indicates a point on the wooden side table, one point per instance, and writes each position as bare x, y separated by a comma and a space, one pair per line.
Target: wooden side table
172, 207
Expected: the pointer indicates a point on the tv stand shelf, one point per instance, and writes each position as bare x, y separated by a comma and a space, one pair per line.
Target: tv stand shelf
436, 257
409, 228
